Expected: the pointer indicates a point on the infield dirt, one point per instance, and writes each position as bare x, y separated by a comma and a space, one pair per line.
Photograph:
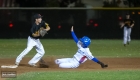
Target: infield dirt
113, 64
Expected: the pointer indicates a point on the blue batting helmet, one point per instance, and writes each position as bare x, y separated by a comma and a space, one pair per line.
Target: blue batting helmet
85, 41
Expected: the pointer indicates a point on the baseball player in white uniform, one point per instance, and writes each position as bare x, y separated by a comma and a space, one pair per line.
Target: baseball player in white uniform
83, 53
127, 24
33, 41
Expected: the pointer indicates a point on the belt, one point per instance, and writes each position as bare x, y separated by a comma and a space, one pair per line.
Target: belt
76, 60
33, 38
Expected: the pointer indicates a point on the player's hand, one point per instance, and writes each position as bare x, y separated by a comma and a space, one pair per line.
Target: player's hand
71, 28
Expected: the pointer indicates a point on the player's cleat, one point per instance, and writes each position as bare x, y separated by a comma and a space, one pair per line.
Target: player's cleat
17, 63
43, 64
128, 43
124, 45
33, 65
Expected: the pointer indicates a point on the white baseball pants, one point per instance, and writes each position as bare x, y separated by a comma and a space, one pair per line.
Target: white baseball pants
127, 33
30, 44
67, 63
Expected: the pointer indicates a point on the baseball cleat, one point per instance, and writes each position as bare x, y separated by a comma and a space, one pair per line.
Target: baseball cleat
17, 63
33, 65
43, 64
124, 45
127, 43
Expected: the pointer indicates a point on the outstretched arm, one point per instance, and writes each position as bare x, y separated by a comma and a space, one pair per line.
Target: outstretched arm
91, 57
132, 23
73, 35
122, 24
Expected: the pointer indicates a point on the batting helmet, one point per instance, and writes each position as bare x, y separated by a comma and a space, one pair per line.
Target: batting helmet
85, 41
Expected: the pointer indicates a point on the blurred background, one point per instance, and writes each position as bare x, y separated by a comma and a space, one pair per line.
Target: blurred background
98, 19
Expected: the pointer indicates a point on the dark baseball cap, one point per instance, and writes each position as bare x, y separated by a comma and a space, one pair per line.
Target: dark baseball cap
36, 16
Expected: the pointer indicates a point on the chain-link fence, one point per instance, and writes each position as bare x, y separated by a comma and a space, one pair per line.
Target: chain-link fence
100, 23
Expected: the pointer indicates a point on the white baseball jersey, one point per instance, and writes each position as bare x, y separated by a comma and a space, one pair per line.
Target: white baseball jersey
83, 54
80, 57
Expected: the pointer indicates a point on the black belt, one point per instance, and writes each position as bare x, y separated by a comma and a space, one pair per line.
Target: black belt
33, 37
77, 60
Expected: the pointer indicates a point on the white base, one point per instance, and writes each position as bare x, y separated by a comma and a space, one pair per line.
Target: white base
9, 66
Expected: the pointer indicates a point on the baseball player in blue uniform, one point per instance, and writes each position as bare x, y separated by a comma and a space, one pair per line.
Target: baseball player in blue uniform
83, 53
128, 23
33, 41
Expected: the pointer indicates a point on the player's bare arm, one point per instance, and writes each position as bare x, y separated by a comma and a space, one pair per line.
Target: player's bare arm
36, 34
47, 27
122, 25
132, 24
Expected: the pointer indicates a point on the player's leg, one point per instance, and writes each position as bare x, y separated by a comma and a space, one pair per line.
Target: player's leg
40, 52
128, 35
62, 60
30, 45
125, 36
71, 64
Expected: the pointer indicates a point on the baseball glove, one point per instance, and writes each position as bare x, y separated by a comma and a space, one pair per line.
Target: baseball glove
43, 32
43, 64
102, 64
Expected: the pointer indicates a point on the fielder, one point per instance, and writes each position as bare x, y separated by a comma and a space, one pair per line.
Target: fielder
127, 24
33, 41
81, 55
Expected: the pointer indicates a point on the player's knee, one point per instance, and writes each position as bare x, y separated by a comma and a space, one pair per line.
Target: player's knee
125, 36
29, 48
63, 65
42, 52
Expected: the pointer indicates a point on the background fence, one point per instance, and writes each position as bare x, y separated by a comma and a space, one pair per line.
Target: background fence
98, 23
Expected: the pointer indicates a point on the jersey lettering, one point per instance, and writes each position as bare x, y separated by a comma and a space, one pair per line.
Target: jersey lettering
79, 51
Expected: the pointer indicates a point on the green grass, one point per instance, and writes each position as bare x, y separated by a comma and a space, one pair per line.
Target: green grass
66, 47
80, 75
11, 48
